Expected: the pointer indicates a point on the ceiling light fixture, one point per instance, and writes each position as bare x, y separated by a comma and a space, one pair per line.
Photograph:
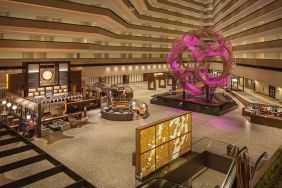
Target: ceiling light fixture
28, 116
4, 102
9, 104
14, 107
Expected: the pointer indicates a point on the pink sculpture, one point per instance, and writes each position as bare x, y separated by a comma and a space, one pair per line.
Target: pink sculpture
205, 46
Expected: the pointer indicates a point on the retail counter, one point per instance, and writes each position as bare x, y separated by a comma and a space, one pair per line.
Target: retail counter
264, 114
270, 120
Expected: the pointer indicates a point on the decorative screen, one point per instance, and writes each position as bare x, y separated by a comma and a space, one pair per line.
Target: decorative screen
160, 143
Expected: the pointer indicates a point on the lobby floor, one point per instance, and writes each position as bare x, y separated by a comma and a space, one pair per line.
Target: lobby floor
101, 151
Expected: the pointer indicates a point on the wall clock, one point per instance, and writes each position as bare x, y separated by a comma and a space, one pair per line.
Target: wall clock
47, 75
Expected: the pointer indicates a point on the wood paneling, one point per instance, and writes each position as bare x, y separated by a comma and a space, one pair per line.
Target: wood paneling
75, 81
16, 82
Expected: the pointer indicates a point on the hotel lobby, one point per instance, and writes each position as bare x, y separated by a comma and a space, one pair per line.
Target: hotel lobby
140, 93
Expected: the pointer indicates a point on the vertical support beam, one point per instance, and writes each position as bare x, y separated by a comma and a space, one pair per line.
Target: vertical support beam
38, 121
173, 85
243, 83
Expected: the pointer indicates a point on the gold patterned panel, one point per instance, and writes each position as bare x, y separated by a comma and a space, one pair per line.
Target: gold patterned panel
179, 144
147, 139
178, 126
164, 142
189, 118
147, 162
162, 155
185, 150
162, 133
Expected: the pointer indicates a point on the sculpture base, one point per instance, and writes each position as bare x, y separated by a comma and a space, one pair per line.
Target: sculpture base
218, 105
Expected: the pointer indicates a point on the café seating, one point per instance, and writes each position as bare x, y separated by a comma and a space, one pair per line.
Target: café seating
65, 127
73, 122
84, 120
44, 131
117, 114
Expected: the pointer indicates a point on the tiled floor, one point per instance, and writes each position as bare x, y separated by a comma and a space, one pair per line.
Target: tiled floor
101, 151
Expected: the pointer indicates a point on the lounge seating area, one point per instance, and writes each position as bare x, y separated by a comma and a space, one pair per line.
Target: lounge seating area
77, 119
117, 114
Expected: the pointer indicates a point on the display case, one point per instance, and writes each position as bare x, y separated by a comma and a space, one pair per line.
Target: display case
48, 91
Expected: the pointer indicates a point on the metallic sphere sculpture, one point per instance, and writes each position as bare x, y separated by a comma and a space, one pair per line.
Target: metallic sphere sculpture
204, 46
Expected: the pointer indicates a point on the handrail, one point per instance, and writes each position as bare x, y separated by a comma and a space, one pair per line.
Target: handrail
231, 174
241, 150
263, 156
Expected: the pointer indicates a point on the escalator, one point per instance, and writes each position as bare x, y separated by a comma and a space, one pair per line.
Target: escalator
192, 172
231, 179
160, 183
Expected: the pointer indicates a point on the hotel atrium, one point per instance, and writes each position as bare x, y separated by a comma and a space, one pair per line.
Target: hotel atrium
141, 93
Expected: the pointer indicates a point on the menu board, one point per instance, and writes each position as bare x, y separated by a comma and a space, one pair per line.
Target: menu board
160, 143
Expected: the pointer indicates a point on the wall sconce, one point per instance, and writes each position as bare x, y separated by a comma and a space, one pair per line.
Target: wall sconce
130, 68
9, 104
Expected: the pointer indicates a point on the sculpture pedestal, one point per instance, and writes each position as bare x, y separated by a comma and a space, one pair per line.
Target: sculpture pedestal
218, 105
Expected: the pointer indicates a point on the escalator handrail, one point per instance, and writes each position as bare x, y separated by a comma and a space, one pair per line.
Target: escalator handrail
264, 154
232, 169
241, 150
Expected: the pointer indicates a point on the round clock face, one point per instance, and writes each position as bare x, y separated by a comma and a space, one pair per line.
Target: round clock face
47, 75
